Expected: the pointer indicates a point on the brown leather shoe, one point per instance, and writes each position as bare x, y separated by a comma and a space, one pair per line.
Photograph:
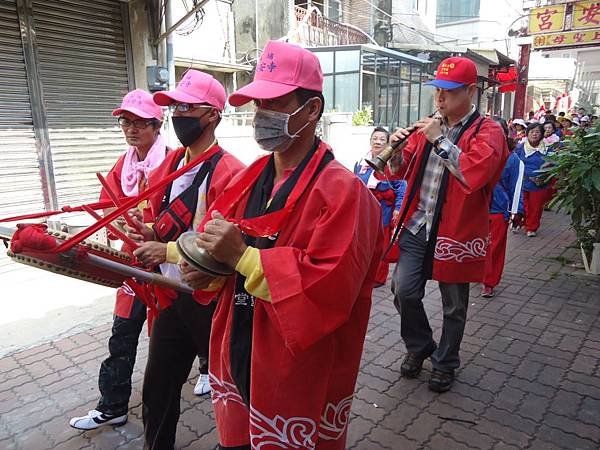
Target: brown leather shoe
441, 381
413, 363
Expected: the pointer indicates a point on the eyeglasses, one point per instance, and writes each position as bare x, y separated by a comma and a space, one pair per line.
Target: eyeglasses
137, 123
185, 107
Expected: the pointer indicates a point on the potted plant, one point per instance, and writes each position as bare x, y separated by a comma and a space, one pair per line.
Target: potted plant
576, 169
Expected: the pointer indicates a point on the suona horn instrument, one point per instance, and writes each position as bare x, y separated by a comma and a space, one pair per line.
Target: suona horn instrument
379, 162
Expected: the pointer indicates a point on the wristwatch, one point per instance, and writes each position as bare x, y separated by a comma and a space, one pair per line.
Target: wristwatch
442, 146
438, 140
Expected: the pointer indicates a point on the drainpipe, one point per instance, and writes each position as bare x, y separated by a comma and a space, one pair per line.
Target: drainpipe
170, 56
291, 17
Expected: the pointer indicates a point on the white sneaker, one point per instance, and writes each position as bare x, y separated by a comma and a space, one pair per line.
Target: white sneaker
95, 419
531, 233
202, 386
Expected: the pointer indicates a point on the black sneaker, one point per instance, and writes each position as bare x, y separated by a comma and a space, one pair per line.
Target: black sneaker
441, 381
413, 363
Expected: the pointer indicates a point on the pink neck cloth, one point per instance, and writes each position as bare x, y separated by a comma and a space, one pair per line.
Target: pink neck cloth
135, 171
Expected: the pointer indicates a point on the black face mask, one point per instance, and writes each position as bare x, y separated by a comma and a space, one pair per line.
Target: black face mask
187, 129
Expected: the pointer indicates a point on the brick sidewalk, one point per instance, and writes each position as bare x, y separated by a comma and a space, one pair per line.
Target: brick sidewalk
530, 375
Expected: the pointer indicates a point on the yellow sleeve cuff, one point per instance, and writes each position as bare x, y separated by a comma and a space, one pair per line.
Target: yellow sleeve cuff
172, 252
215, 284
250, 266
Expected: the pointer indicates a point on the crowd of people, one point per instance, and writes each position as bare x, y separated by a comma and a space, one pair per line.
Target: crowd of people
279, 341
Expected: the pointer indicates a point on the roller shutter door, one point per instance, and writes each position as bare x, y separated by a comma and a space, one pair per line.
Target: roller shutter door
83, 71
20, 180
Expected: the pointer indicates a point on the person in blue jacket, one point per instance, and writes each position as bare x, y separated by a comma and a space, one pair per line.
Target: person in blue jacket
506, 207
536, 191
389, 194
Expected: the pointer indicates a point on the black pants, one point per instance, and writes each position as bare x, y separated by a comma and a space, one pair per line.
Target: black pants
408, 286
179, 334
114, 379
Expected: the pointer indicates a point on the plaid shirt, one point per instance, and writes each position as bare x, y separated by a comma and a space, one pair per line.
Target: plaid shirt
430, 186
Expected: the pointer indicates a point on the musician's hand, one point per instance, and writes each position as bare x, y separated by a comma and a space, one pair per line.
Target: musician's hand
395, 216
431, 127
141, 233
194, 278
395, 161
222, 239
135, 213
151, 253
516, 221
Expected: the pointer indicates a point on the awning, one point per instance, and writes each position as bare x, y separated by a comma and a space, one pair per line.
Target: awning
215, 66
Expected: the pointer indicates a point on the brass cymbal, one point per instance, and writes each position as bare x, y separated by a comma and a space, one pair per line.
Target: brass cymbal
199, 258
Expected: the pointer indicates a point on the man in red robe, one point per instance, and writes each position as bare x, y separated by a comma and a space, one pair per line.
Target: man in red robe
305, 238
140, 120
452, 165
182, 329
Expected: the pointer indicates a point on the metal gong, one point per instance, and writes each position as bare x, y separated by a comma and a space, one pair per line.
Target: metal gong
199, 258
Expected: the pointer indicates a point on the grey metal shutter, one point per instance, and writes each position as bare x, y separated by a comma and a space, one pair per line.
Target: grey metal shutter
20, 180
83, 70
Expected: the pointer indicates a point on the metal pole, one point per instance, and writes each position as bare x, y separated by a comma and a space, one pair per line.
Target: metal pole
38, 108
291, 17
170, 63
522, 79
170, 56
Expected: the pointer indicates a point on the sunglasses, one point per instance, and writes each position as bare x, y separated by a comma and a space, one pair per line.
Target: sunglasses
140, 124
185, 107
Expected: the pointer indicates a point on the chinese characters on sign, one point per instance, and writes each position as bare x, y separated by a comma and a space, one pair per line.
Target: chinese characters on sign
547, 19
565, 25
586, 15
568, 38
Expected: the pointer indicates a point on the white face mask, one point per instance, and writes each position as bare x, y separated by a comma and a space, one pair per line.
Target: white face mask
271, 129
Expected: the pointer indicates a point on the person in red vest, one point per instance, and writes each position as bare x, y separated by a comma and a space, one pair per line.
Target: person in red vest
182, 329
140, 120
305, 238
388, 193
451, 166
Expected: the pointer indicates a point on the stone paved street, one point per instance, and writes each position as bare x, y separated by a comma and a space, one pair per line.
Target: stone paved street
530, 376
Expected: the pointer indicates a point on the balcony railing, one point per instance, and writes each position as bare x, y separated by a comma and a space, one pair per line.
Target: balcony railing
313, 29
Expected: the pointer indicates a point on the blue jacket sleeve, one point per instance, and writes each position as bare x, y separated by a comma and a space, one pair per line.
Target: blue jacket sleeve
399, 187
514, 184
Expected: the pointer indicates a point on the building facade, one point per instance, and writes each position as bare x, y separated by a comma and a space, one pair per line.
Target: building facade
67, 66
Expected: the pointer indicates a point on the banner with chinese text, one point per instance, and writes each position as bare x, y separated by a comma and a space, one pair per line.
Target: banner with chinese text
586, 15
547, 19
567, 38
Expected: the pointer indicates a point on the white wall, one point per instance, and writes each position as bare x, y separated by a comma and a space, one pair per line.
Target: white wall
238, 141
349, 143
551, 68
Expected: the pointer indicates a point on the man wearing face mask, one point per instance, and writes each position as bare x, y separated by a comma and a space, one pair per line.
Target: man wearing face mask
304, 236
182, 329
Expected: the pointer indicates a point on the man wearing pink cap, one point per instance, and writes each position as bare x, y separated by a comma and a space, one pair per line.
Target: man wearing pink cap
451, 165
182, 329
140, 119
304, 236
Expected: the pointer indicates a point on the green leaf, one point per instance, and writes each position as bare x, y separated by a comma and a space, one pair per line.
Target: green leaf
596, 178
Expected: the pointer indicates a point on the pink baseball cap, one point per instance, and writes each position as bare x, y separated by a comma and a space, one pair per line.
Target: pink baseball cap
195, 87
140, 103
282, 68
